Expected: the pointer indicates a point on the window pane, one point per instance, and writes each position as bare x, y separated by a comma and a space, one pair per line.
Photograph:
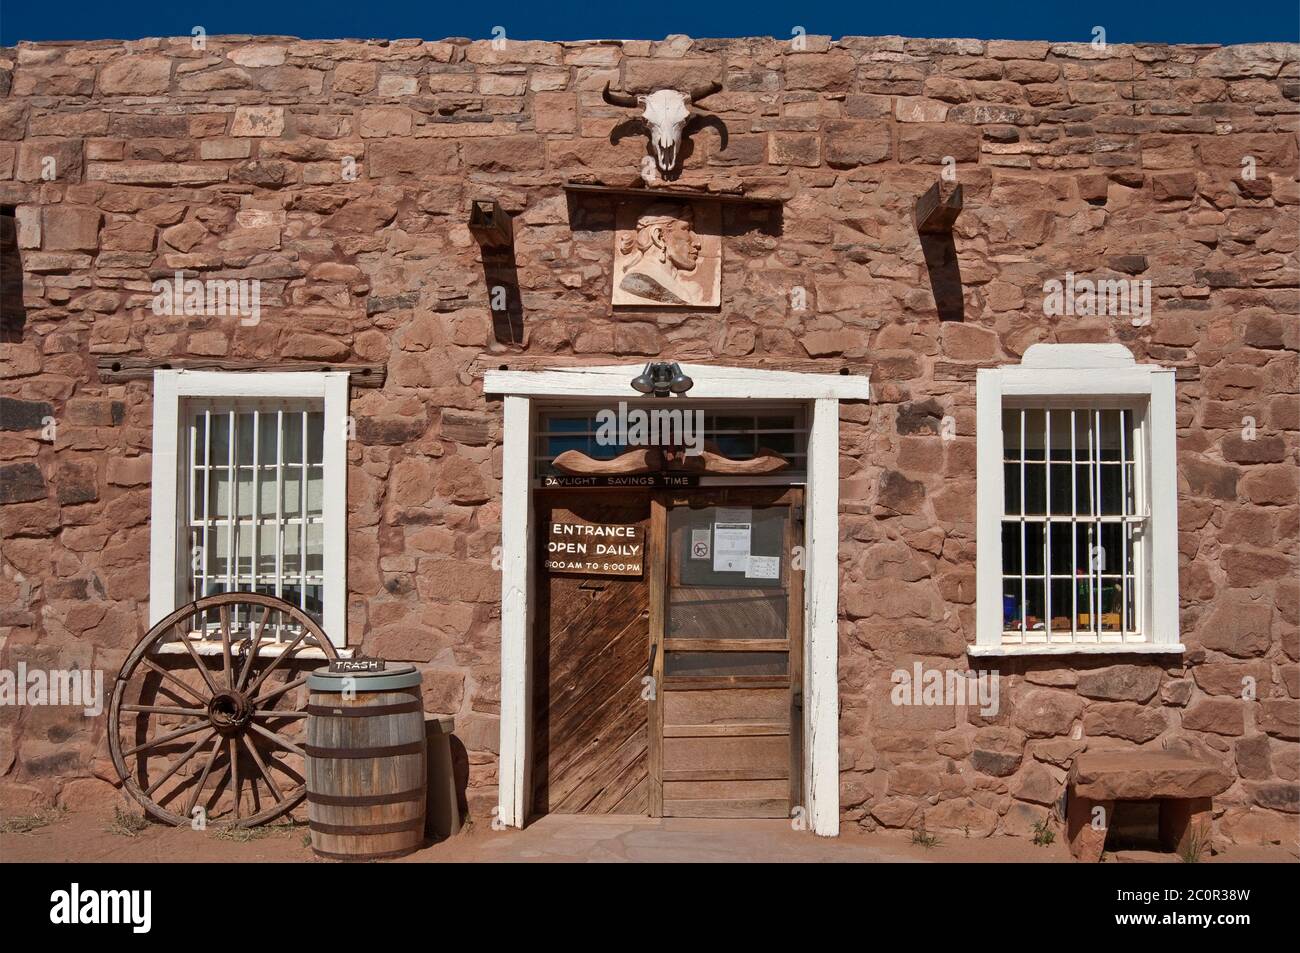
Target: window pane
219, 493
1035, 434
315, 548
1035, 544
1062, 604
315, 435
292, 437
1062, 540
244, 493
220, 424
1060, 435
1112, 502
1062, 496
292, 491
1111, 605
1035, 604
1011, 434
1083, 477
1011, 488
267, 438
244, 439
1010, 603
1083, 434
1110, 434
199, 434
315, 490
1036, 488
1011, 547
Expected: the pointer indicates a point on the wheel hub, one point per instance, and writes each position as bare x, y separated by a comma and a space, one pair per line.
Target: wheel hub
230, 711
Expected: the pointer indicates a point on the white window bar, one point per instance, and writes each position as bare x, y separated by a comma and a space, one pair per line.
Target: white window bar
1074, 529
1047, 525
1098, 552
1124, 527
232, 476
302, 521
1024, 509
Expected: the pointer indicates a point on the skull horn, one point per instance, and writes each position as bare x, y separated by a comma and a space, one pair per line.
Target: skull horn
618, 99
699, 92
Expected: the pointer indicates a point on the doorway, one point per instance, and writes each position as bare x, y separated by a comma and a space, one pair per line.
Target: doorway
675, 690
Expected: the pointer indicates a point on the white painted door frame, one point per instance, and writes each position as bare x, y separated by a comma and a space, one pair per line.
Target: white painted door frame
823, 392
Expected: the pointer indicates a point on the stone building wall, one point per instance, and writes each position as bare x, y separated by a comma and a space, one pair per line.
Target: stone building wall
230, 161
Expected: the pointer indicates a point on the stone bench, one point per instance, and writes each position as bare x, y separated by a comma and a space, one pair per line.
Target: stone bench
1182, 784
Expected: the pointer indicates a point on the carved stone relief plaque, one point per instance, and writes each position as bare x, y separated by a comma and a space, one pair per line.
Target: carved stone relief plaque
668, 254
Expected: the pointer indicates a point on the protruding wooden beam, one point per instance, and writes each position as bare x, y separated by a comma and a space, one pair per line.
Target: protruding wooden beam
119, 369
491, 225
936, 211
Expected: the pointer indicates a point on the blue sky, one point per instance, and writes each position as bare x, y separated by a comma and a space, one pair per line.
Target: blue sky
1177, 21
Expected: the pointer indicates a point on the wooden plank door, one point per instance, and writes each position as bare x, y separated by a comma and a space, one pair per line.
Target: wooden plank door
590, 651
728, 633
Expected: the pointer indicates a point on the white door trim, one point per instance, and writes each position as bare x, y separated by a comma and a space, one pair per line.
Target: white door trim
821, 579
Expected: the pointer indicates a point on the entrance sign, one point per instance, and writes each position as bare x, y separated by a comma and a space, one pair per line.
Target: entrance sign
595, 549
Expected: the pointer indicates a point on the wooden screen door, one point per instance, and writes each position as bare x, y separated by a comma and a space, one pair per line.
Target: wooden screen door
726, 627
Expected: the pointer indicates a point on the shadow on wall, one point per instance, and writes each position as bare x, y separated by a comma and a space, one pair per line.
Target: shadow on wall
945, 275
13, 317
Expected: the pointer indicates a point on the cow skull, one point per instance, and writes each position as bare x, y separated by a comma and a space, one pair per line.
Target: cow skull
665, 115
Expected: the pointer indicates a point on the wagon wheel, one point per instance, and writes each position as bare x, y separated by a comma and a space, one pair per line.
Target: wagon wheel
220, 730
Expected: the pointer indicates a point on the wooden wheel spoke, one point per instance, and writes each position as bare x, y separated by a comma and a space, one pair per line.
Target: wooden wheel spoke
169, 736
203, 778
276, 692
226, 667
247, 668
261, 766
177, 766
275, 662
198, 662
193, 693
234, 771
166, 710
272, 713
279, 739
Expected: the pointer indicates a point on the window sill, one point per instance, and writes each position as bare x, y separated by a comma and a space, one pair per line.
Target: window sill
265, 651
1132, 648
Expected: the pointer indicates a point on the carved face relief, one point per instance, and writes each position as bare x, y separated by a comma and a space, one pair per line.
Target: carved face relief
668, 253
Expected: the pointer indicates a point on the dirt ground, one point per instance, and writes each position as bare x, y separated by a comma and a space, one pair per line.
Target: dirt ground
97, 836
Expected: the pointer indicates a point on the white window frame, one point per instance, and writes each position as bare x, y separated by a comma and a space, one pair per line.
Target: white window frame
168, 582
1081, 372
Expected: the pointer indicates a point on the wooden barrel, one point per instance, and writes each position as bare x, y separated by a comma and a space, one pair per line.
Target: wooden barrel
366, 775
